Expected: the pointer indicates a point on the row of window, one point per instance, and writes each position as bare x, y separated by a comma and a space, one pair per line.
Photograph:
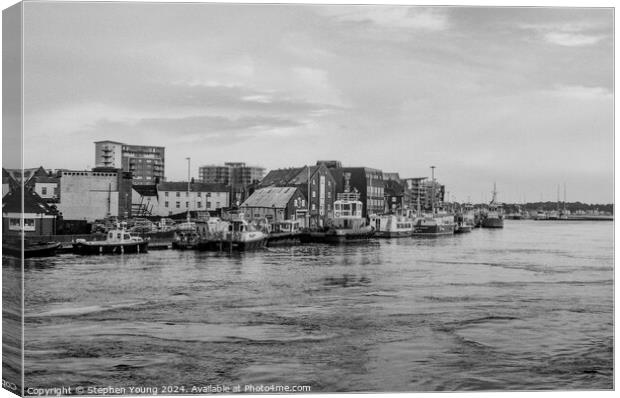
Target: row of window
198, 205
178, 194
44, 191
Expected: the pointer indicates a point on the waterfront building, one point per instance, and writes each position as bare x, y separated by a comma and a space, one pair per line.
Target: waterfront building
276, 204
316, 183
146, 163
92, 195
32, 216
170, 198
369, 183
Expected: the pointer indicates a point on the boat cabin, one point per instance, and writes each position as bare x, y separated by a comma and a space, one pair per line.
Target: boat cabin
286, 226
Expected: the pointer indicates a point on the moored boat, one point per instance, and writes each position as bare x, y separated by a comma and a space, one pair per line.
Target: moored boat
38, 249
118, 241
286, 232
434, 224
236, 234
392, 226
493, 217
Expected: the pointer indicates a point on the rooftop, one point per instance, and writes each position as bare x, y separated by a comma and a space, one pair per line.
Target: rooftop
276, 197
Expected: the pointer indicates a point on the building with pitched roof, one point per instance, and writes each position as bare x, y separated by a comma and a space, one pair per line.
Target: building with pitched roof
172, 197
32, 216
276, 204
316, 183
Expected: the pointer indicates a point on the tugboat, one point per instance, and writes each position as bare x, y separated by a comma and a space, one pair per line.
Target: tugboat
392, 226
493, 217
118, 241
234, 235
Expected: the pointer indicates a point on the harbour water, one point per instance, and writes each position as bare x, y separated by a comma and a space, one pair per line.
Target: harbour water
527, 307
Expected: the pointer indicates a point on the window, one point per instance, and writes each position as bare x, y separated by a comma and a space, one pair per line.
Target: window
208, 205
178, 194
314, 194
166, 204
166, 194
199, 194
178, 205
217, 205
187, 205
313, 206
55, 191
44, 191
208, 194
199, 204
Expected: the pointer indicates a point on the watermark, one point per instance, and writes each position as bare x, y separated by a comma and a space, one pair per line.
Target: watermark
166, 389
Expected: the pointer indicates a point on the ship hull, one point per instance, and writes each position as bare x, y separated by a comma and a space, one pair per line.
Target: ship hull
433, 230
227, 245
492, 223
283, 239
44, 250
92, 248
393, 234
462, 229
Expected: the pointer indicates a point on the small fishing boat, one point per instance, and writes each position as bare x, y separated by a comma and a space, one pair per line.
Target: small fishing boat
118, 241
236, 234
493, 218
37, 249
434, 224
286, 232
465, 219
392, 226
186, 236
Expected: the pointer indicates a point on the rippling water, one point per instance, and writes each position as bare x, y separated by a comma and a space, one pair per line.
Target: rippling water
526, 307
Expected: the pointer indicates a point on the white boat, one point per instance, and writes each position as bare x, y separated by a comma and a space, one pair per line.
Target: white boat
434, 224
236, 234
118, 241
392, 226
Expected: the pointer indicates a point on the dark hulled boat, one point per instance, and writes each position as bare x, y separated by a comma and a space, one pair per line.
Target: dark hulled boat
39, 249
118, 241
234, 235
493, 218
283, 233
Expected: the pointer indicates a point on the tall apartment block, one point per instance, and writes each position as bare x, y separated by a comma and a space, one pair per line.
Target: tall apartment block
233, 174
145, 162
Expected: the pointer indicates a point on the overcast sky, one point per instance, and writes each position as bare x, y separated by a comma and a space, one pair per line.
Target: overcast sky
520, 96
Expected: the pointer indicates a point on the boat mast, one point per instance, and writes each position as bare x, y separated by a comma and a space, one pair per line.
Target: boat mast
188, 186
432, 189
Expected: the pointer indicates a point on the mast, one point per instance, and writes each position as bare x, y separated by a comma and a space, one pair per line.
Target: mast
432, 189
188, 186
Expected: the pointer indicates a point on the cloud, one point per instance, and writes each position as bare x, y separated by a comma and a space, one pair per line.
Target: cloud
431, 19
568, 34
580, 93
197, 126
572, 39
